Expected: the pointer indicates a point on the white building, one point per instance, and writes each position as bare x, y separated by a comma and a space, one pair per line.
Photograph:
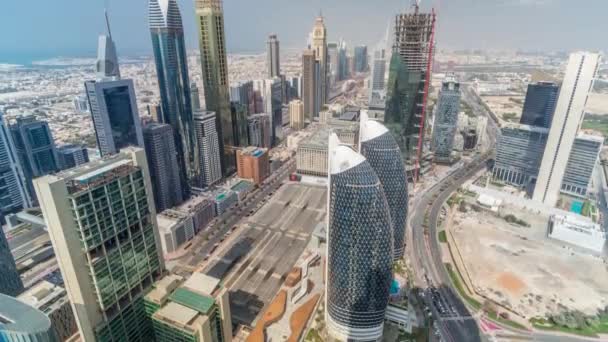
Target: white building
175, 229
578, 231
578, 81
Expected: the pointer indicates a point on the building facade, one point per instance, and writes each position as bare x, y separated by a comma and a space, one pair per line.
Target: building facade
260, 130
359, 248
519, 151
581, 163
209, 150
319, 46
273, 56
296, 115
361, 64
309, 84
578, 231
22, 323
107, 66
171, 61
14, 195
253, 163
53, 301
163, 165
102, 223
382, 152
69, 156
239, 124
10, 281
446, 120
578, 81
408, 84
539, 106
212, 43
115, 117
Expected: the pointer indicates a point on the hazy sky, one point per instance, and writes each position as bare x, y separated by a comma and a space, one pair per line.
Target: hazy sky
70, 27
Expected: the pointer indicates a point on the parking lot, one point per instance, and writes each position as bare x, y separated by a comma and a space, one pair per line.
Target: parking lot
268, 247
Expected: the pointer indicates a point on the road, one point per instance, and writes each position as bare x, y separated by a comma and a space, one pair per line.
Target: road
222, 225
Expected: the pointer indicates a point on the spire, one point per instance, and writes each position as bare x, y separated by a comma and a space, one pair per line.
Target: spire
107, 59
108, 23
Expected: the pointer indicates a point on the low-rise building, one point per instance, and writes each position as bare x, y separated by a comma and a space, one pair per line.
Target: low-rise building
578, 231
53, 301
197, 309
252, 163
224, 200
175, 228
242, 188
201, 209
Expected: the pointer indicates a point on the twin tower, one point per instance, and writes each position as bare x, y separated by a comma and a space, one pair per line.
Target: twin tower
367, 213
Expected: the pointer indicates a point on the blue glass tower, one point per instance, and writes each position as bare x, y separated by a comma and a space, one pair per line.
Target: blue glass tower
172, 70
360, 247
382, 152
540, 103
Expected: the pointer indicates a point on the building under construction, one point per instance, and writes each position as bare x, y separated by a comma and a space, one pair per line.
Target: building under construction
408, 85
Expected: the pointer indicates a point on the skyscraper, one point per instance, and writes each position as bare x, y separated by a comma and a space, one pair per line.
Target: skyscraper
162, 163
239, 123
273, 58
578, 82
107, 59
408, 85
102, 223
380, 149
35, 147
195, 97
319, 46
10, 282
296, 114
379, 70
210, 19
332, 57
359, 247
260, 130
361, 63
115, 117
209, 152
273, 106
446, 119
69, 156
14, 195
21, 322
540, 103
171, 59
581, 163
309, 84
342, 62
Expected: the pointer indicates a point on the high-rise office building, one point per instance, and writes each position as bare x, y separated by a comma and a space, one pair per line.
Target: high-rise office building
162, 163
259, 130
581, 163
212, 42
195, 96
360, 57
519, 151
273, 58
379, 70
540, 103
22, 323
408, 85
243, 93
332, 60
296, 114
309, 84
239, 124
446, 119
14, 195
273, 106
343, 72
115, 117
102, 223
10, 282
171, 59
578, 81
209, 151
380, 149
69, 156
359, 247
35, 147
319, 46
107, 66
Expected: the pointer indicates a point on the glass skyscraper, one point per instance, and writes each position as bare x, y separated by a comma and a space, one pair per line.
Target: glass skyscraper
14, 195
10, 282
20, 322
540, 103
380, 149
172, 71
359, 247
446, 120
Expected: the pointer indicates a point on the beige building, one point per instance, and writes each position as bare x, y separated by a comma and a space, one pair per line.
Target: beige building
102, 223
311, 155
296, 114
319, 46
197, 309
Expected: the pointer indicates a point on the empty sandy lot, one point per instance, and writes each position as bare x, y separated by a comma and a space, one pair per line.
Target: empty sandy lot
524, 270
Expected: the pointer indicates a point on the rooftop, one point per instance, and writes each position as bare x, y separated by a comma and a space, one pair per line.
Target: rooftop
241, 185
19, 317
192, 300
163, 288
202, 283
44, 296
177, 313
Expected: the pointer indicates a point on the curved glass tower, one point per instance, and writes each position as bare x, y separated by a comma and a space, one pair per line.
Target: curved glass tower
172, 70
360, 247
382, 152
20, 322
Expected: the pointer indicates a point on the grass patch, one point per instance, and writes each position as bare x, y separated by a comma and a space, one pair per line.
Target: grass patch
543, 324
494, 316
313, 336
500, 185
586, 211
442, 237
456, 280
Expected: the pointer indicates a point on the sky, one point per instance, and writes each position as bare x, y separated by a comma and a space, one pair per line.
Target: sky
43, 28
